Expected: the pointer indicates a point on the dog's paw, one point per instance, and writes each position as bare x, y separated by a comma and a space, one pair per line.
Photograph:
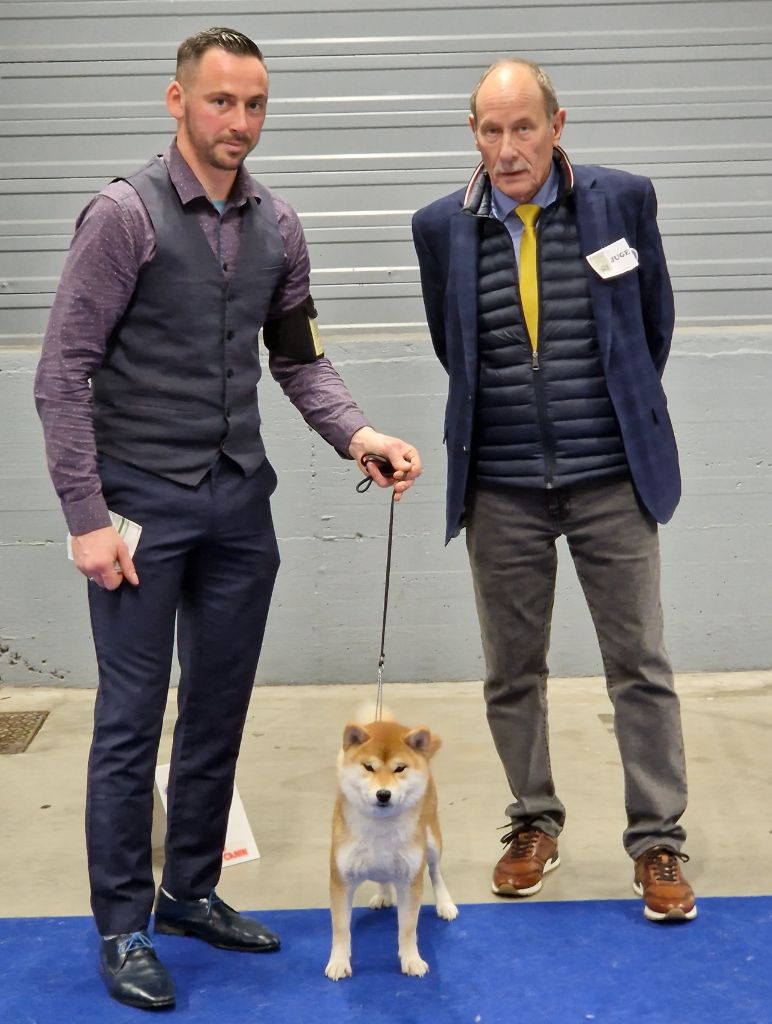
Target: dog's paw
414, 965
338, 967
383, 898
447, 910
380, 901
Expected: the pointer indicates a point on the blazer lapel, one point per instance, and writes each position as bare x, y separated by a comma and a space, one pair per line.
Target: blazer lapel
593, 226
463, 261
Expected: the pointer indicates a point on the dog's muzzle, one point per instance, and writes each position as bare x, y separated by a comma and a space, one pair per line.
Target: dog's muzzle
383, 796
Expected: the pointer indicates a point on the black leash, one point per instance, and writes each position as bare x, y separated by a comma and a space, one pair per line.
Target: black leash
363, 485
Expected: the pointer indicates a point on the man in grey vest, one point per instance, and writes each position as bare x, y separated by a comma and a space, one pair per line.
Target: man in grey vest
171, 274
549, 304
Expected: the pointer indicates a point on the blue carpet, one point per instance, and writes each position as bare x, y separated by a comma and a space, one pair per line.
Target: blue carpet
513, 963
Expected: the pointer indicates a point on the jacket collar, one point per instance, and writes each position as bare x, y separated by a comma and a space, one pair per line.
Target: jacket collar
477, 199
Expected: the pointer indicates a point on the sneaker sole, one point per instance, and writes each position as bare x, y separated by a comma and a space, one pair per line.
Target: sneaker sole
675, 914
509, 890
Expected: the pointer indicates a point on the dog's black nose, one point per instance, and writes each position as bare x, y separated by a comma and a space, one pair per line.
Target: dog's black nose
383, 796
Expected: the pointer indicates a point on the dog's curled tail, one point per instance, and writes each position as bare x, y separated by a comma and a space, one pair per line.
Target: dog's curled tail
367, 710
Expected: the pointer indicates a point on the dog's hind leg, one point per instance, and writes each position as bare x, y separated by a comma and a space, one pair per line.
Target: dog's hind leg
341, 898
385, 897
408, 905
446, 908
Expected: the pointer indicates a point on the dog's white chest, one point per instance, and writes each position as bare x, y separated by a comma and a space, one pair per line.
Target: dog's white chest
386, 856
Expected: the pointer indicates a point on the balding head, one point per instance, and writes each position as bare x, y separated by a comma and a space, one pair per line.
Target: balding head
516, 124
516, 64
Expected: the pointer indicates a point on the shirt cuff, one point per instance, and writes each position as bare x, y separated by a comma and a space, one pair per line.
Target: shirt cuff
348, 424
86, 515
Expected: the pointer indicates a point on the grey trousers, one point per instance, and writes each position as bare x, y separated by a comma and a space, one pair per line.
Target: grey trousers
614, 544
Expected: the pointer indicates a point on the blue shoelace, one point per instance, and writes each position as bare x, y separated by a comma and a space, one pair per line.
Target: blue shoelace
211, 899
137, 940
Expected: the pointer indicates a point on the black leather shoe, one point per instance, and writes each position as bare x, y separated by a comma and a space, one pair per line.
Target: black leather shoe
133, 973
214, 922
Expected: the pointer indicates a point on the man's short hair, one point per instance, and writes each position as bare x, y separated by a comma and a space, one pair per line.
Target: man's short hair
192, 49
543, 80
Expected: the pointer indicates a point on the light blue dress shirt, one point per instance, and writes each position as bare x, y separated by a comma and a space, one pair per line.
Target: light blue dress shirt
503, 208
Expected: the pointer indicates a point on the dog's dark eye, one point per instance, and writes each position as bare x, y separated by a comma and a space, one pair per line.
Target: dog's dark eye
400, 768
368, 768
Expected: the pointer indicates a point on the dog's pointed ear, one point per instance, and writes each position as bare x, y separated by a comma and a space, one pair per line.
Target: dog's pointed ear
423, 741
354, 735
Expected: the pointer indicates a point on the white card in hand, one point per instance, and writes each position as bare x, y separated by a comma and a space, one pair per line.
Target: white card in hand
129, 531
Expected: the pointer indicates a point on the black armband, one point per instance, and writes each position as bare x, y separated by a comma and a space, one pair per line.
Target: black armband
295, 334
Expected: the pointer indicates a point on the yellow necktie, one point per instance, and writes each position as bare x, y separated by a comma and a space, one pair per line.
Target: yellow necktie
529, 284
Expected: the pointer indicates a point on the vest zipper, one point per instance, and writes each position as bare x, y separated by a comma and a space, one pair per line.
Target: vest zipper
545, 427
545, 433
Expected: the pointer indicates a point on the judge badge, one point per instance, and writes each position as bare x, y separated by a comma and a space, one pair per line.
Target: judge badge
614, 260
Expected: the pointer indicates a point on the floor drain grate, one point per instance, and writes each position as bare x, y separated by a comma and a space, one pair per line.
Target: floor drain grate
18, 729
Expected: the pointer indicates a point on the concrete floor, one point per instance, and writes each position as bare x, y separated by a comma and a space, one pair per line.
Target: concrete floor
286, 779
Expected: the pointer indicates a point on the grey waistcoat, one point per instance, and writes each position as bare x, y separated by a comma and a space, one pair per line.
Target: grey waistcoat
178, 383
545, 420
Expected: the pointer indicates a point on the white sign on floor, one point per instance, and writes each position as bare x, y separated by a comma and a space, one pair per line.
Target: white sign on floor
240, 844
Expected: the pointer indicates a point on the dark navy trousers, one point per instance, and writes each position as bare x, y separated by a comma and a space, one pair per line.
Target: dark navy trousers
207, 560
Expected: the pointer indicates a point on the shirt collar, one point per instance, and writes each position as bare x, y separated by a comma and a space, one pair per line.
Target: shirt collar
503, 205
189, 187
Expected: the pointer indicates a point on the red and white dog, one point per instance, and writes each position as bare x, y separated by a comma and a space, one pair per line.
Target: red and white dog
385, 829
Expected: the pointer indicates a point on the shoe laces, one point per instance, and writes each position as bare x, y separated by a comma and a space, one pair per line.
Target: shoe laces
211, 899
523, 841
663, 863
136, 940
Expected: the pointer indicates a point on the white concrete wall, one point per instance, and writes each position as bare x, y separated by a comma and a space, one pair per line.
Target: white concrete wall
367, 122
325, 620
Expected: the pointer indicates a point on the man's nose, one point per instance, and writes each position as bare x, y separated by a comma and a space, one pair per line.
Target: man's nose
238, 121
509, 149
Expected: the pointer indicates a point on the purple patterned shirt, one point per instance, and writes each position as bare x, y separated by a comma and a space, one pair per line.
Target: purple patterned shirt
113, 240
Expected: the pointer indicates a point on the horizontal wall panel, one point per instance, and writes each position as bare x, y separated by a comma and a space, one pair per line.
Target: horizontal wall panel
677, 198
731, 253
716, 138
347, 85
367, 122
161, 25
147, 10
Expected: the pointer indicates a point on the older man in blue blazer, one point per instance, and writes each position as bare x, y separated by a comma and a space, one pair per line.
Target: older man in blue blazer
550, 306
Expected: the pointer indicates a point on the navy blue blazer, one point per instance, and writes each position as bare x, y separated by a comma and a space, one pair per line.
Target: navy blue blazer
634, 317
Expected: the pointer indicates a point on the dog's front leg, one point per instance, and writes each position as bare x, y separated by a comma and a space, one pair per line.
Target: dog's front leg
446, 908
341, 898
408, 905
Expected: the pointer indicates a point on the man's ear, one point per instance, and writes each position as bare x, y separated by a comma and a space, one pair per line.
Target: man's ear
175, 100
558, 124
473, 126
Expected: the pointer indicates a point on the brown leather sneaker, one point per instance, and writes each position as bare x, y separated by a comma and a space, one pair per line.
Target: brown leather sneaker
667, 896
530, 855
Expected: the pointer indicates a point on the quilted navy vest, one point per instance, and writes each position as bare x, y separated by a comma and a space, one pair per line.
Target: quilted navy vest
544, 419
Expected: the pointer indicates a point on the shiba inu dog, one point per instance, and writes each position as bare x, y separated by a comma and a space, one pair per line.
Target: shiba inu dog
385, 829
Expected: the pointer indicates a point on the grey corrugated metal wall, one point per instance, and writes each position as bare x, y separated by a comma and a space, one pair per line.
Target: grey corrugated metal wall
366, 123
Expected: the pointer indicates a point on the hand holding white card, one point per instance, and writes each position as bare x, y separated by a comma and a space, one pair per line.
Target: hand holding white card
129, 531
